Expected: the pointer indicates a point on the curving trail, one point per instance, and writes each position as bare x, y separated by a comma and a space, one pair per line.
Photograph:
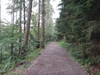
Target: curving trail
54, 60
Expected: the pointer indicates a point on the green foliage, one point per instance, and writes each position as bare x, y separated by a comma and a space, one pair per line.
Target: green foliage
10, 35
63, 44
11, 41
9, 60
26, 62
32, 55
79, 21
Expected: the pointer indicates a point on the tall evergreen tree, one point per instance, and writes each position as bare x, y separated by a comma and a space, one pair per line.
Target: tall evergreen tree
0, 16
20, 27
43, 25
0, 34
39, 3
13, 18
24, 10
27, 30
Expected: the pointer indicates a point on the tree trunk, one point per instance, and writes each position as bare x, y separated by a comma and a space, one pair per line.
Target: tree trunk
64, 38
39, 20
12, 44
43, 24
20, 27
16, 15
0, 16
0, 34
27, 30
24, 14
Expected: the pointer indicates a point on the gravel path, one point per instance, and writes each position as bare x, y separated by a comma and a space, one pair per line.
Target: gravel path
54, 60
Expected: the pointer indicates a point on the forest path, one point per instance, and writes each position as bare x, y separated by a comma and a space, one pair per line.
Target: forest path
54, 60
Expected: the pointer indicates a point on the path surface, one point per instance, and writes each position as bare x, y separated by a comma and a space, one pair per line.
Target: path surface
54, 60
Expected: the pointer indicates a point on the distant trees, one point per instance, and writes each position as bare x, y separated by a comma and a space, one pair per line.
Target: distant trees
49, 24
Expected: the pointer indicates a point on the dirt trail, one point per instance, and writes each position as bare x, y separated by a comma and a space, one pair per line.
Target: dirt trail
54, 60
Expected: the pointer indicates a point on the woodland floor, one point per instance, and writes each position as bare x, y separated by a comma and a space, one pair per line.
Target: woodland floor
55, 60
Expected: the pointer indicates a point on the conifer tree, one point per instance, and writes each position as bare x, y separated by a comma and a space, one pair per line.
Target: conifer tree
27, 30
43, 25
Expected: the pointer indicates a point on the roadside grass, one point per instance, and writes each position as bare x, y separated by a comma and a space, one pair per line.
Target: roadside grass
74, 51
12, 73
64, 45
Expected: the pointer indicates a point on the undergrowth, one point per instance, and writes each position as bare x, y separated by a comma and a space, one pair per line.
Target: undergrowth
23, 64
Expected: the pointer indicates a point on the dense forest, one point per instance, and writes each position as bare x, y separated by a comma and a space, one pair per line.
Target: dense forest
32, 26
26, 31
79, 26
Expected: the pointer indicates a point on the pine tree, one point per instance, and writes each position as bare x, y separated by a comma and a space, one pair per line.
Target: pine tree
20, 27
39, 3
27, 30
24, 10
0, 34
43, 25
